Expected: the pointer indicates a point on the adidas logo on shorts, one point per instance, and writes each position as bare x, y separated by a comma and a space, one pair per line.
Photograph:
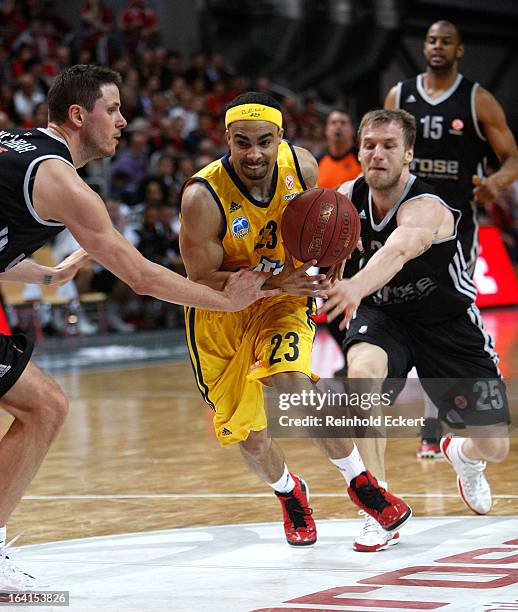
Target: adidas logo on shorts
226, 432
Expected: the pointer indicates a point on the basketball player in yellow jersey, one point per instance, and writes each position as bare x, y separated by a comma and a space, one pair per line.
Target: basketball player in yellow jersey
231, 218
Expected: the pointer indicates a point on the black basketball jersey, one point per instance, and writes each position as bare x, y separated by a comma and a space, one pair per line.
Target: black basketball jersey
450, 146
430, 288
22, 231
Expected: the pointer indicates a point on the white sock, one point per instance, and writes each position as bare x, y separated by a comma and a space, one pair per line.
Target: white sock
285, 484
350, 466
383, 484
3, 535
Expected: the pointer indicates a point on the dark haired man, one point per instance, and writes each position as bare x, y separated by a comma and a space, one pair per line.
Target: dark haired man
42, 194
458, 121
340, 162
241, 198
413, 300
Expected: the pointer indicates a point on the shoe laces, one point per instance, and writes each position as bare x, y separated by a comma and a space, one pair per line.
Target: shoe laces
472, 477
372, 497
296, 511
370, 524
7, 567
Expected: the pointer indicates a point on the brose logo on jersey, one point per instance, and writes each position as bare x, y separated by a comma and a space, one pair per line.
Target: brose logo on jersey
392, 294
445, 167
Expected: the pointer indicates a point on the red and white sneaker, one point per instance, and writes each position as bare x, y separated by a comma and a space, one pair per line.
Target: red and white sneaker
429, 449
299, 525
373, 537
390, 511
472, 484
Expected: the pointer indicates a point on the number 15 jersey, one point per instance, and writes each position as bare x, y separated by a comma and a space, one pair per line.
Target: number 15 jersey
450, 147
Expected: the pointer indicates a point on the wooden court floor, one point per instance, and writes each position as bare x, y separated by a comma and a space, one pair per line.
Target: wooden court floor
137, 453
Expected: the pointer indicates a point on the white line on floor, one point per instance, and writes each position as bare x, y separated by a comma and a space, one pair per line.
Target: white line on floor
229, 496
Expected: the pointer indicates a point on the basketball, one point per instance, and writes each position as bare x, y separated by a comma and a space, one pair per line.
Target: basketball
320, 224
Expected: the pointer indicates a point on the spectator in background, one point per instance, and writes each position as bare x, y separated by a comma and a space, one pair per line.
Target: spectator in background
198, 70
7, 102
165, 169
216, 99
172, 69
151, 193
39, 37
133, 160
26, 97
40, 116
186, 112
5, 121
139, 24
96, 25
201, 132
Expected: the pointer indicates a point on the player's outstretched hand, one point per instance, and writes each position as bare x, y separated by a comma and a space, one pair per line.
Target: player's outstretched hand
342, 298
296, 281
336, 272
245, 287
68, 268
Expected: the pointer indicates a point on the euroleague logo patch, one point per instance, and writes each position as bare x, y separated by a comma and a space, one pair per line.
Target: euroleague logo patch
290, 181
240, 227
457, 125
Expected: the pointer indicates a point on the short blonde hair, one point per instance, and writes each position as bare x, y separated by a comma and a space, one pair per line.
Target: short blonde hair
405, 120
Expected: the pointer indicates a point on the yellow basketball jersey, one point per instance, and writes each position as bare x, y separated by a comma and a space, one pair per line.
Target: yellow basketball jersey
253, 228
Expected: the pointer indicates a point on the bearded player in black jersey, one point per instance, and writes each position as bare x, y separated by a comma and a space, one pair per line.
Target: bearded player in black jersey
41, 194
458, 121
414, 304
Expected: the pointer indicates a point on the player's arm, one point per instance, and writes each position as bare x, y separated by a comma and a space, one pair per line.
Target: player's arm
390, 100
420, 222
308, 166
28, 271
200, 237
492, 119
60, 194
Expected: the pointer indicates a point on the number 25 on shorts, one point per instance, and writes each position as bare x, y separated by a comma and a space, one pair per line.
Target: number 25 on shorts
291, 348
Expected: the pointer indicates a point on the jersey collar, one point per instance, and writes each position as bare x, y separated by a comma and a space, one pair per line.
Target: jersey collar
383, 223
241, 186
440, 99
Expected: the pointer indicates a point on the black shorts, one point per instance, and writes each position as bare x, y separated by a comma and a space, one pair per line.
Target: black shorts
15, 353
455, 361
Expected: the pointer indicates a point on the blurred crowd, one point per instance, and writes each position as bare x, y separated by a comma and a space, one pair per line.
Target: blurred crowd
174, 106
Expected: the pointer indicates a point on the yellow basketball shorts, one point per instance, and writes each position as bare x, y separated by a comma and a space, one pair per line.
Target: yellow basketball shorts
233, 353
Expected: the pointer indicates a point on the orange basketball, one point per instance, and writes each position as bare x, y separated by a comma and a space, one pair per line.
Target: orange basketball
320, 224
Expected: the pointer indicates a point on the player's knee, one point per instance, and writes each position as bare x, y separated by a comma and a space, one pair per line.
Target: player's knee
287, 382
494, 450
255, 447
363, 368
52, 411
499, 450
